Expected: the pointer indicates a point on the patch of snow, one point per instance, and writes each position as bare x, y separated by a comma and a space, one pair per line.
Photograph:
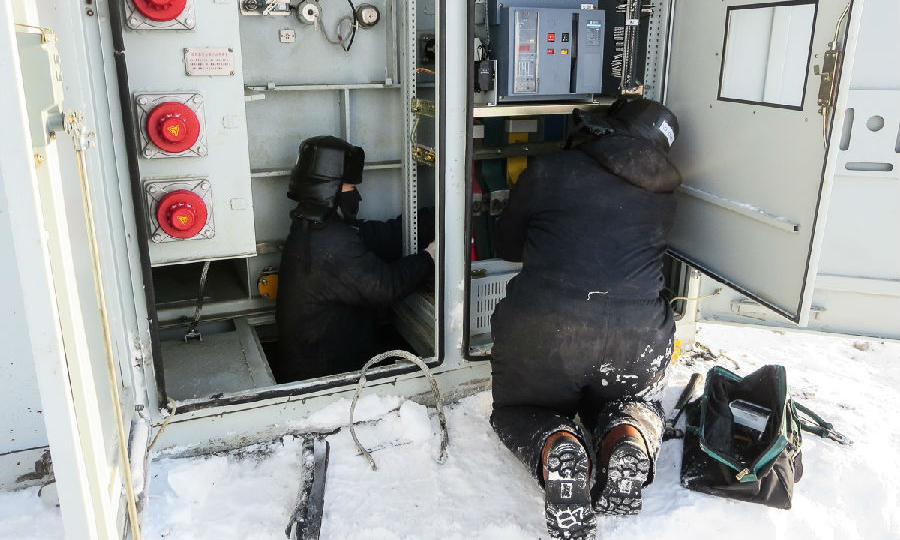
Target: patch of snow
193, 482
247, 495
24, 516
337, 414
482, 492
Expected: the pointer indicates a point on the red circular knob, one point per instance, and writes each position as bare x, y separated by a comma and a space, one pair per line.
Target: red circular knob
173, 127
160, 10
181, 214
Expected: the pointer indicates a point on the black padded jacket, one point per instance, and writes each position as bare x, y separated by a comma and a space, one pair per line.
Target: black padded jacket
327, 313
592, 220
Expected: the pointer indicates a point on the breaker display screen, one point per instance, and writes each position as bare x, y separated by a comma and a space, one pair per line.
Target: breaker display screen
526, 51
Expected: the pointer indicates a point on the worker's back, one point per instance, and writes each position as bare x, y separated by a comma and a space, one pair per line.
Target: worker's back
590, 220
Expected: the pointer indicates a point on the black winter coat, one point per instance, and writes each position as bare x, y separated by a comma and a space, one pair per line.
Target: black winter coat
591, 220
327, 316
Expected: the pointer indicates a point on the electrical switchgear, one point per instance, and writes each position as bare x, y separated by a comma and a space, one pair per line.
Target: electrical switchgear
548, 53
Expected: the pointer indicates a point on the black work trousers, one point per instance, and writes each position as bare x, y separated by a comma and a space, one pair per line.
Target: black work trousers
601, 359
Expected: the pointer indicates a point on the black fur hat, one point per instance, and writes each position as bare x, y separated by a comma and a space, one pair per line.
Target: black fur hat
325, 163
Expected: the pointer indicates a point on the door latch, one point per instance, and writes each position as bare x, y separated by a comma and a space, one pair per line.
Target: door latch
828, 72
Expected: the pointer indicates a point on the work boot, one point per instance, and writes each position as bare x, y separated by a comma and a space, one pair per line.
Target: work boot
567, 488
623, 469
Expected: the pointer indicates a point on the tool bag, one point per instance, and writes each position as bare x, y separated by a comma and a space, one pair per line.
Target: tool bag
743, 435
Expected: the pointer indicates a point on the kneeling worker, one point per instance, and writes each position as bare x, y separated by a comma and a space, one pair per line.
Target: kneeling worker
336, 271
583, 328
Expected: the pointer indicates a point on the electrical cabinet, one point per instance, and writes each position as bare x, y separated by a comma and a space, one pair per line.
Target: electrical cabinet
223, 93
215, 96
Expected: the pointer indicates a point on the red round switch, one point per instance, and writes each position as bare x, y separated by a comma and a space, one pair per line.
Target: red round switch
160, 10
173, 127
181, 214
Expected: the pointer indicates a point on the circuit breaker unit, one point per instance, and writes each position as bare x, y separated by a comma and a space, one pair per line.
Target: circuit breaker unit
547, 53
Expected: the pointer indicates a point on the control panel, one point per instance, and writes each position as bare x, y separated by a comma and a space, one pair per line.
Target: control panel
548, 53
185, 78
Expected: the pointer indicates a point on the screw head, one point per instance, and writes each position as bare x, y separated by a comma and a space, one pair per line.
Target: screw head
197, 99
204, 185
189, 21
142, 100
147, 152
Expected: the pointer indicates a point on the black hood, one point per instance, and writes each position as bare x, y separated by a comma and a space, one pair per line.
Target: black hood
324, 165
637, 160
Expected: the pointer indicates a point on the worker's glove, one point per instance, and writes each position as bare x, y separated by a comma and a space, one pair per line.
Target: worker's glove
431, 250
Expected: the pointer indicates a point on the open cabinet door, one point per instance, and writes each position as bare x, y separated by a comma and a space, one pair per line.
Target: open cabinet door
755, 151
82, 364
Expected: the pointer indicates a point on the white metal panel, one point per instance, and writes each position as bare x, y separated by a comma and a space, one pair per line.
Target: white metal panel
754, 165
156, 65
22, 422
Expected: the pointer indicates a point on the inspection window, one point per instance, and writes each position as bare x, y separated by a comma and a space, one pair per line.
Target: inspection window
766, 53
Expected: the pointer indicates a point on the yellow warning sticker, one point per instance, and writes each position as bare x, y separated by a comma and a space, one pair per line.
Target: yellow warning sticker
174, 130
183, 219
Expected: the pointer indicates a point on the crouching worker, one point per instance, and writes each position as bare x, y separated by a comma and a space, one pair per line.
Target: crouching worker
337, 272
583, 329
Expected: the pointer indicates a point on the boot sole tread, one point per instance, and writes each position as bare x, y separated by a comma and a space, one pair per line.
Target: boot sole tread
567, 497
627, 471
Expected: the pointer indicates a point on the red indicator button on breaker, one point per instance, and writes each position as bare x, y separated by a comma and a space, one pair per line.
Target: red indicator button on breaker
551, 37
551, 51
173, 127
181, 214
160, 10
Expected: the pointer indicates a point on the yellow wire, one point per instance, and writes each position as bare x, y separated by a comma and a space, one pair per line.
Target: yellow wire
837, 29
164, 424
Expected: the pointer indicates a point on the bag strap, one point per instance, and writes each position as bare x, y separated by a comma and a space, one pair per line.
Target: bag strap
818, 426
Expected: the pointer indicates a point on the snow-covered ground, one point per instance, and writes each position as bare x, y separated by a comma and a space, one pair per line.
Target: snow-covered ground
482, 492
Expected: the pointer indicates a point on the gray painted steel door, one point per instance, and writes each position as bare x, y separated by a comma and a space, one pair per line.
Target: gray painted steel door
742, 81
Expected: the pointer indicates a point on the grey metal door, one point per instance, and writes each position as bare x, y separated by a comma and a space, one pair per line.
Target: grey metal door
756, 153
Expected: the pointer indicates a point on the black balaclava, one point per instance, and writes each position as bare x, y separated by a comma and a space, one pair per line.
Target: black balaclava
348, 204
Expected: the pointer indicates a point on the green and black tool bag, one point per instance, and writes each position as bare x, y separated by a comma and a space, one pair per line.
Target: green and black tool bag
743, 437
